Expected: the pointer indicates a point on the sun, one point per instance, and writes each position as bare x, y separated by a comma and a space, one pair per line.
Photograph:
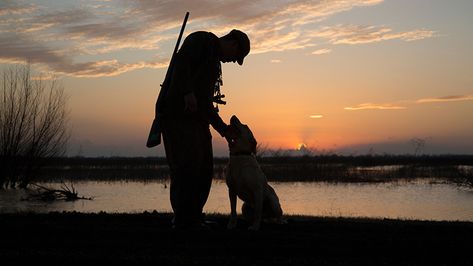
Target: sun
301, 146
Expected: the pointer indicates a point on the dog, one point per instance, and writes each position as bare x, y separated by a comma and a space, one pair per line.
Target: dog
246, 180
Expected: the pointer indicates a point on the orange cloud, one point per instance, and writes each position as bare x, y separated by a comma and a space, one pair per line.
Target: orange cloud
321, 51
356, 34
371, 106
452, 98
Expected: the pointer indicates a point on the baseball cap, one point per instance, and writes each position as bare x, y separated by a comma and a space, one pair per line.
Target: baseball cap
243, 44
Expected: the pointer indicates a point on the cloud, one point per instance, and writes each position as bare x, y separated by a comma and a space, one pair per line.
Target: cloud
71, 37
275, 61
256, 13
371, 106
396, 106
452, 98
12, 49
356, 34
316, 116
281, 27
107, 68
43, 76
15, 8
322, 51
57, 40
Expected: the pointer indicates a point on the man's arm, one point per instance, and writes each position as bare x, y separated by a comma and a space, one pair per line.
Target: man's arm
226, 131
216, 121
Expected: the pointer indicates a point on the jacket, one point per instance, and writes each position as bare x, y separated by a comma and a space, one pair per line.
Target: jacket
196, 69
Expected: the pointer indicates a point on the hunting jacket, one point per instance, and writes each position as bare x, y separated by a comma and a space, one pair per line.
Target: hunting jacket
196, 69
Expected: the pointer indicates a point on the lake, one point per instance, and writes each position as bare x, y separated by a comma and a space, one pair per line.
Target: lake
420, 199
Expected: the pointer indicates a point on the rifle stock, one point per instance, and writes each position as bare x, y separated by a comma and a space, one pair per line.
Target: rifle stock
154, 136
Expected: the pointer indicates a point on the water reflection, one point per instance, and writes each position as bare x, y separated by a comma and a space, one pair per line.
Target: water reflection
407, 200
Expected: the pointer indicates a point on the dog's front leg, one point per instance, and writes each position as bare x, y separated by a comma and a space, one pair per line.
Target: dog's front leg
258, 211
233, 215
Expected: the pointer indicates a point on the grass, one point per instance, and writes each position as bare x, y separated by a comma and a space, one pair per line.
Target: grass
147, 239
380, 168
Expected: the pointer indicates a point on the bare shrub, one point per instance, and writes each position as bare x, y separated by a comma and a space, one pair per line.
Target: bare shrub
33, 124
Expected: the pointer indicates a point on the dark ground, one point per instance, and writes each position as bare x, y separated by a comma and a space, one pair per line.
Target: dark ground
147, 239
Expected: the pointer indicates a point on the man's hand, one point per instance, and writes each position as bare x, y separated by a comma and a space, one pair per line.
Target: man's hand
230, 135
190, 102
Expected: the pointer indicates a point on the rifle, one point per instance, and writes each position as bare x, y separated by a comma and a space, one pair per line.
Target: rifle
154, 137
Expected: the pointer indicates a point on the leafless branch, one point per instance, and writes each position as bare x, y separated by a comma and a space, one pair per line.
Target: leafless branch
33, 124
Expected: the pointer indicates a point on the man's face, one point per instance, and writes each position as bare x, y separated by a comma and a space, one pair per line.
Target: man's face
231, 53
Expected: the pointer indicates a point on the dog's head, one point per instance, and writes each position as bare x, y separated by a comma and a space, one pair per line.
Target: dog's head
245, 142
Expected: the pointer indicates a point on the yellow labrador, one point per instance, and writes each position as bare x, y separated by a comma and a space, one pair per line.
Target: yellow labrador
246, 180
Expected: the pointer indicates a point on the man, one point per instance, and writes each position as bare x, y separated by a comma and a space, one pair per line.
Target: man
188, 109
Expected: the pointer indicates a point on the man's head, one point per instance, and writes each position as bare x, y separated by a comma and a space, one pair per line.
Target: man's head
235, 46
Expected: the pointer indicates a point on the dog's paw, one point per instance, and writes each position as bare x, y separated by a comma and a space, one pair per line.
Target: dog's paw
232, 224
253, 228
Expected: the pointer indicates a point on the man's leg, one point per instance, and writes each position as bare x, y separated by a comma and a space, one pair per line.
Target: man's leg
176, 141
206, 169
185, 142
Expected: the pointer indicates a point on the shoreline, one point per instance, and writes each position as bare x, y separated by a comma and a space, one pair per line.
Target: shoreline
147, 238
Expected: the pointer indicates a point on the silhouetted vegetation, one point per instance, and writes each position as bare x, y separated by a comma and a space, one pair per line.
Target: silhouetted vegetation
336, 168
368, 168
66, 193
33, 127
105, 168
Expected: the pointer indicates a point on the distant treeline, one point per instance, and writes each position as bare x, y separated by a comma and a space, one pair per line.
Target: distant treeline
375, 160
359, 160
337, 168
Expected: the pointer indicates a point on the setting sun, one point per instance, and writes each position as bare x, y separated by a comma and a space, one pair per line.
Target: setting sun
301, 146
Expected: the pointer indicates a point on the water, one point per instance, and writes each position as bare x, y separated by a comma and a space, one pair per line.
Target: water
423, 200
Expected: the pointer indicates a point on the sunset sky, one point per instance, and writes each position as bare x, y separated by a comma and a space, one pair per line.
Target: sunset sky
344, 76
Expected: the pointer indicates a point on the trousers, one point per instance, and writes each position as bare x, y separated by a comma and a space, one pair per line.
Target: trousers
188, 147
